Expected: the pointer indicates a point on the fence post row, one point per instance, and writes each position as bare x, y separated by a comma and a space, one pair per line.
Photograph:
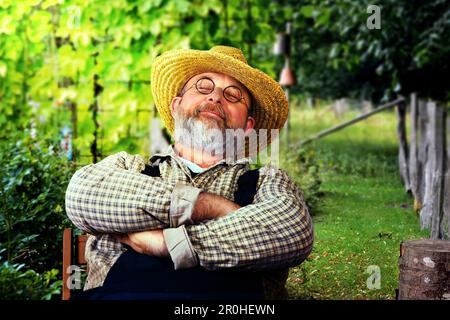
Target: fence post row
428, 164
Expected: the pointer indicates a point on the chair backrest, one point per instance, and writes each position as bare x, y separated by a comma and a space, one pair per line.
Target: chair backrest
73, 255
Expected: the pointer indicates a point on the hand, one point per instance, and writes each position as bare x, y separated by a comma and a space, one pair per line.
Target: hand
147, 242
212, 206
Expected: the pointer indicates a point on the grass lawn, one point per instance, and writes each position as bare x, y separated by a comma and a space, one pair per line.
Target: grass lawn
363, 214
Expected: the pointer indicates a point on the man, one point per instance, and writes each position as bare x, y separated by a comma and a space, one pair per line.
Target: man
198, 206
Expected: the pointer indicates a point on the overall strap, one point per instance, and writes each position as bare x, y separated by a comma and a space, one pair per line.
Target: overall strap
246, 189
152, 171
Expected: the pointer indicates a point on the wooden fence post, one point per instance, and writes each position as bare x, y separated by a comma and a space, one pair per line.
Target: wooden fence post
403, 145
413, 151
431, 213
446, 205
422, 154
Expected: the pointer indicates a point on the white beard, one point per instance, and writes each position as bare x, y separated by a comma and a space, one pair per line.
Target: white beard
194, 133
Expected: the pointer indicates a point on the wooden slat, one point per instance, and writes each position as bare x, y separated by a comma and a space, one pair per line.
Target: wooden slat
67, 261
81, 247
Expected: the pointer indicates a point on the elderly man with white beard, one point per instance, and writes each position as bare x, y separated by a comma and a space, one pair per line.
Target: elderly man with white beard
195, 222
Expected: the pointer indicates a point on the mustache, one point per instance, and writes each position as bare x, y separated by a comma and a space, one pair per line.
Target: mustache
207, 106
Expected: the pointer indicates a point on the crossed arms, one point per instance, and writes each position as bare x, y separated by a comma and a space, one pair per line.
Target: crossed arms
113, 197
207, 206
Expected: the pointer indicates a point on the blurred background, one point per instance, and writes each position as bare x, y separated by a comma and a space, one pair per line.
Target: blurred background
75, 88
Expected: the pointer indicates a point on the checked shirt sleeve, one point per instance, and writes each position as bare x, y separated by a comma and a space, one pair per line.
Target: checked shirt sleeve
113, 196
274, 231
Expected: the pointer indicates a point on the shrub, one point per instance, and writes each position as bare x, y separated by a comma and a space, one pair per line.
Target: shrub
19, 284
33, 181
303, 168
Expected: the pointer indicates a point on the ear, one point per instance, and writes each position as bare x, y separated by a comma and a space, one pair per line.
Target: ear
174, 104
250, 124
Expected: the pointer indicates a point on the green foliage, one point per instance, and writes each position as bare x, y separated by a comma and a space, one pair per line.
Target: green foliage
303, 167
18, 284
51, 52
336, 55
33, 181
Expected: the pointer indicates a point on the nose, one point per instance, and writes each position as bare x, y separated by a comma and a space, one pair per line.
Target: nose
215, 96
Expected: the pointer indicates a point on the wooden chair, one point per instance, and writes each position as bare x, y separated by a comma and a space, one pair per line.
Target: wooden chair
73, 254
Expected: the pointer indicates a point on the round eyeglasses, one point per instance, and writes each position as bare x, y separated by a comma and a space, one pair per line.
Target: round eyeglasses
205, 86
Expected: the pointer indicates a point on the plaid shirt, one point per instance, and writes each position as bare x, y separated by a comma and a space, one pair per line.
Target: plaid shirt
113, 196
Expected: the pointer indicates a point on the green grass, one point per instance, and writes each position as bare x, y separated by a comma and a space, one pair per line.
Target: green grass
363, 213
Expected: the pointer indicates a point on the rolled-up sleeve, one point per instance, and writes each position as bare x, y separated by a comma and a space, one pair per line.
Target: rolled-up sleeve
182, 204
274, 231
180, 248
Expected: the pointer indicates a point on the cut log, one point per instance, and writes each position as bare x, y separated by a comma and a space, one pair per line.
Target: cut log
424, 267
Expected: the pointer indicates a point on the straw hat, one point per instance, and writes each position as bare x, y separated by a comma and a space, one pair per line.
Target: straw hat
174, 68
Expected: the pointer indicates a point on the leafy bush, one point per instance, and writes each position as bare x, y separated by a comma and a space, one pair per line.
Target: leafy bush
18, 284
33, 181
303, 168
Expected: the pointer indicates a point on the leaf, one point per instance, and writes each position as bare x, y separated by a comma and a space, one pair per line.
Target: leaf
323, 18
155, 28
3, 69
39, 26
7, 26
49, 3
307, 11
183, 6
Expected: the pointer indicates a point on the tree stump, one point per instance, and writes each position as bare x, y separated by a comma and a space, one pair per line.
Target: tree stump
424, 270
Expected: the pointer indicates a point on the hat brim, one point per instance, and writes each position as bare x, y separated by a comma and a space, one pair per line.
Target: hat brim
172, 69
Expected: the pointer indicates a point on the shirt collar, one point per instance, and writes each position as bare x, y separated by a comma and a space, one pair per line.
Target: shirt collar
193, 166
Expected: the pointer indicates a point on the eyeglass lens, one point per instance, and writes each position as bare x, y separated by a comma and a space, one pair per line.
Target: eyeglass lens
231, 93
